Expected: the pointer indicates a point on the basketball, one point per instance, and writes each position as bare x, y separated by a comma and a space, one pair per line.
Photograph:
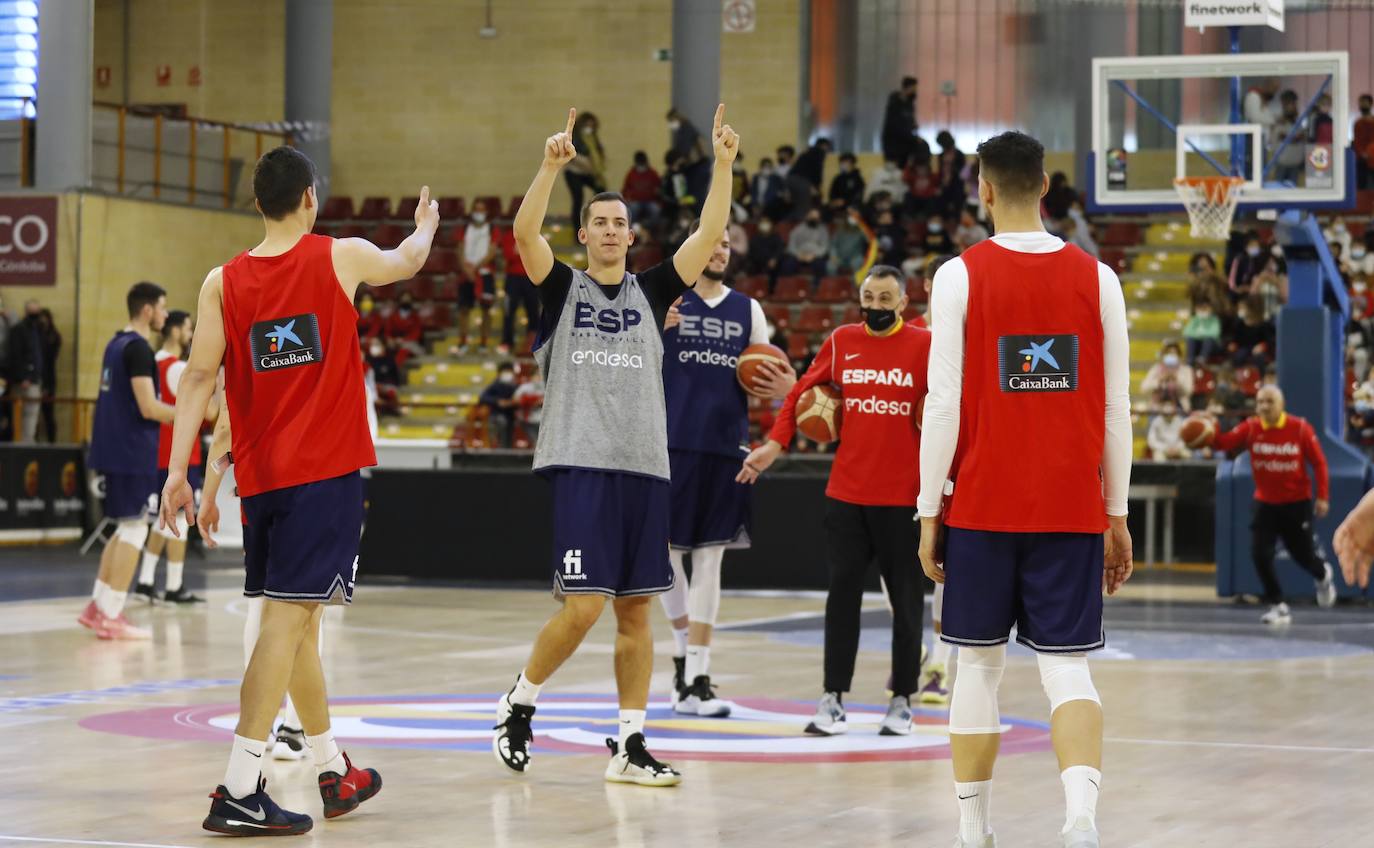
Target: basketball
1198, 431
750, 362
820, 413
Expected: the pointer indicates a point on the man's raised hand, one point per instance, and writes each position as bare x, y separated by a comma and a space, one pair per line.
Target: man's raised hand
723, 138
426, 211
559, 149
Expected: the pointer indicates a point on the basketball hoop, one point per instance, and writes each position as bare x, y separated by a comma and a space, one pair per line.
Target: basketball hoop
1211, 204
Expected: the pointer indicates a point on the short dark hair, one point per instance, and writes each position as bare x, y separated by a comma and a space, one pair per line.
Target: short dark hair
822, 141
281, 176
765, 161
944, 138
886, 271
935, 264
505, 366
1369, 97
143, 294
1014, 163
848, 157
175, 318
641, 158
786, 148
908, 82
601, 197
1289, 96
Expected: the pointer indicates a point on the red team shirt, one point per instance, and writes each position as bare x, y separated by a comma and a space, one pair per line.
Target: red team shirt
882, 380
293, 370
1279, 455
165, 361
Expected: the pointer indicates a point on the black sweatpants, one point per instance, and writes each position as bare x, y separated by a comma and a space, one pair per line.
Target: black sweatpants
855, 537
1291, 522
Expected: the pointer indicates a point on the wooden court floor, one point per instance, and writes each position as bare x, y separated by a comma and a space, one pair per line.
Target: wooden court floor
1218, 733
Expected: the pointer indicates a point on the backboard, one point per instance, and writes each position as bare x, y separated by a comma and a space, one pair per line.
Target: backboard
1258, 116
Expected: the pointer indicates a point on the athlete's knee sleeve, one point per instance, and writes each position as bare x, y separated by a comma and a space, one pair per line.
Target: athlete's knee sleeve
133, 531
973, 704
1065, 678
251, 626
703, 597
675, 599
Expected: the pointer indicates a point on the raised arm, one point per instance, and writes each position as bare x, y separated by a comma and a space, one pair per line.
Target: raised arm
534, 250
359, 261
690, 259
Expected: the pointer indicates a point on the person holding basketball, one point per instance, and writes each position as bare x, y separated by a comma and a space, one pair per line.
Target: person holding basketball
880, 369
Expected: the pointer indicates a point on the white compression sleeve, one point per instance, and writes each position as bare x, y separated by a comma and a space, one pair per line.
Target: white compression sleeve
1116, 354
675, 599
945, 378
703, 598
973, 704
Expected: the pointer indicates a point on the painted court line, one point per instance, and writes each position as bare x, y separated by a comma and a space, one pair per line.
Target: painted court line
1255, 745
59, 841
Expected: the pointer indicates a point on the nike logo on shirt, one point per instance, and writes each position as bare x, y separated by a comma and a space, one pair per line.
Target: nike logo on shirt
256, 815
849, 356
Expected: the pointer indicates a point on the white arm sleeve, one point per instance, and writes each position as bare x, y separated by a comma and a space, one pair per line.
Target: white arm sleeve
1116, 355
758, 324
174, 375
945, 379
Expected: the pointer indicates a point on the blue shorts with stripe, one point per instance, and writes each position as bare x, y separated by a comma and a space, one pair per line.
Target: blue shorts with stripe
1049, 585
301, 543
131, 495
610, 533
708, 506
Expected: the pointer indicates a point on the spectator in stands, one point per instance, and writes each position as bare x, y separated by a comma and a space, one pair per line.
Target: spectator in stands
847, 188
785, 155
1165, 436
922, 187
811, 164
1253, 338
478, 287
1260, 107
1363, 143
520, 293
1290, 159
887, 180
969, 232
739, 241
1271, 284
529, 400
499, 399
848, 246
370, 322
937, 238
52, 345
1323, 127
26, 368
1361, 260
739, 182
1077, 230
404, 330
951, 174
588, 170
1169, 379
891, 238
1202, 333
1206, 285
681, 228
1339, 233
693, 151
386, 373
1059, 197
1227, 401
808, 247
641, 189
1359, 335
798, 193
766, 252
1339, 258
765, 191
1244, 268
899, 122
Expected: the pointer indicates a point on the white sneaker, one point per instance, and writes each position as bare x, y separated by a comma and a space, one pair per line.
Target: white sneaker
897, 722
829, 719
289, 744
699, 699
1277, 616
1083, 834
989, 841
636, 765
1326, 588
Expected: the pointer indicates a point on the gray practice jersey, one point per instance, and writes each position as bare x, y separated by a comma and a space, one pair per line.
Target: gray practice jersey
602, 360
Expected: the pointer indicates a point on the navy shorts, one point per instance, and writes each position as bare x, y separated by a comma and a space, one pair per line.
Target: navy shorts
708, 506
610, 533
1047, 584
301, 543
131, 495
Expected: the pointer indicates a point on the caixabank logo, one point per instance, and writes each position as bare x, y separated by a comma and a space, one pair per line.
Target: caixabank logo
1038, 363
286, 343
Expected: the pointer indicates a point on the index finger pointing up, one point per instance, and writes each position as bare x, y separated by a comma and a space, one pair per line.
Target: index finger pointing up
720, 117
572, 117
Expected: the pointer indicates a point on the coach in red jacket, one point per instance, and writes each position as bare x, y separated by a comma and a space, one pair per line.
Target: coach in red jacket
880, 368
1281, 447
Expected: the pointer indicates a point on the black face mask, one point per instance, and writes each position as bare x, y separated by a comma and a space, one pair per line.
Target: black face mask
879, 320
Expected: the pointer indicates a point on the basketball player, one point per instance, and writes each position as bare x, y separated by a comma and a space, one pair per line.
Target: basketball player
1281, 447
603, 444
936, 673
171, 361
1029, 405
280, 319
124, 449
1355, 542
708, 431
880, 367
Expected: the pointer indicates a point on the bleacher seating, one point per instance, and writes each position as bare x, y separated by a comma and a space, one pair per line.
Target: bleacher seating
374, 209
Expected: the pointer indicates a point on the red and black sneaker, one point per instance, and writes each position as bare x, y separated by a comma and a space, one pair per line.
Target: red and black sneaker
342, 793
253, 815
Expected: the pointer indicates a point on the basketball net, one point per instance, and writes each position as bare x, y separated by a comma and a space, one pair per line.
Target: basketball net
1211, 204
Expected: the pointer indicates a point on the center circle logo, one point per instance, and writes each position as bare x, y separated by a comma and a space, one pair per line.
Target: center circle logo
760, 730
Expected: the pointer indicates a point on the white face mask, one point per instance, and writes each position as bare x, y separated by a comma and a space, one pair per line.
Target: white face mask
1252, 251
1357, 253
674, 125
1171, 360
507, 377
935, 227
377, 351
479, 217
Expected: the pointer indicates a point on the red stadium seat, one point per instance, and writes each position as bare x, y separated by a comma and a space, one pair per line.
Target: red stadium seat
450, 236
755, 287
514, 206
1204, 382
374, 209
815, 319
452, 209
792, 289
798, 346
492, 202
779, 313
442, 260
835, 290
852, 315
405, 208
422, 287
1364, 201
911, 313
387, 236
439, 318
337, 208
916, 290
1120, 235
448, 289
1114, 258
1248, 380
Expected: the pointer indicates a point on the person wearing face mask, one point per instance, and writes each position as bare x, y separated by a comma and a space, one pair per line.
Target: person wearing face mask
1361, 261
889, 181
386, 373
848, 246
641, 189
1165, 437
937, 238
478, 286
766, 252
847, 187
1253, 339
1289, 164
405, 330
1202, 332
880, 369
808, 246
765, 189
499, 399
1244, 268
1169, 373
694, 150
970, 232
1363, 142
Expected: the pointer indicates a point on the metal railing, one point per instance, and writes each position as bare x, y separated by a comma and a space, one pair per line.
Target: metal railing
82, 415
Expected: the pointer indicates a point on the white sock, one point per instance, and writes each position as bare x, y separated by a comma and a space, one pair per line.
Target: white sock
96, 590
680, 643
174, 570
631, 722
941, 654
698, 661
292, 719
1081, 785
148, 571
975, 801
525, 692
111, 603
328, 757
245, 766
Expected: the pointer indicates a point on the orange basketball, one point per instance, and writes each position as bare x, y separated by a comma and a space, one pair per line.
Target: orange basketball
1198, 431
820, 411
750, 361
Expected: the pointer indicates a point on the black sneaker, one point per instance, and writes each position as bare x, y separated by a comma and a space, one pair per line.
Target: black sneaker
253, 815
636, 765
147, 592
700, 700
289, 744
181, 596
679, 680
511, 744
